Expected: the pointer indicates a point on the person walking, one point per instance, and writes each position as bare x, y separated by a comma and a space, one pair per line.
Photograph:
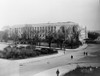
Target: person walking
84, 53
71, 56
57, 72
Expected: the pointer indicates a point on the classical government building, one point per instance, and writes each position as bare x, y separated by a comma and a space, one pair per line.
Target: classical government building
42, 29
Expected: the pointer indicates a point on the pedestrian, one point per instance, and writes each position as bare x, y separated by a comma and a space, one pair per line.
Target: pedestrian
57, 72
71, 56
84, 53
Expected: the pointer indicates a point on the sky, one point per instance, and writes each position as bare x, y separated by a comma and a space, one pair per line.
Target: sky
84, 12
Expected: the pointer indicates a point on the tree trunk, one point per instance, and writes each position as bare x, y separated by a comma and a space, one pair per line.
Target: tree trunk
49, 44
61, 45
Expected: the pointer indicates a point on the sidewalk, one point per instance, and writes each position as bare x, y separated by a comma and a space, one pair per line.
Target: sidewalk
65, 69
81, 47
52, 72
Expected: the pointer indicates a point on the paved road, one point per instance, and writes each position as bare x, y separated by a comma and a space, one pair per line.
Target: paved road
37, 67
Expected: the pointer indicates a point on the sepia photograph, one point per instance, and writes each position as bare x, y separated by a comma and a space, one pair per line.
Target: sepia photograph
49, 37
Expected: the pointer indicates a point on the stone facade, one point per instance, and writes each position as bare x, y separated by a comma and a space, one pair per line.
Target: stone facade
40, 30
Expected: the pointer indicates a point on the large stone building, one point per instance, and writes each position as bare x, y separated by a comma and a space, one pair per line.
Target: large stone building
40, 30
83, 34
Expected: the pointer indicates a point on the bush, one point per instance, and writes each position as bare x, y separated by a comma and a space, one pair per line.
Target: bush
72, 44
93, 35
47, 51
25, 52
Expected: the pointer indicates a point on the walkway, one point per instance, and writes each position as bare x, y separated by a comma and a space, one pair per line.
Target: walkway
66, 68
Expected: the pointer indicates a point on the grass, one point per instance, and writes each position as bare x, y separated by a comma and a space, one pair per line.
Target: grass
84, 71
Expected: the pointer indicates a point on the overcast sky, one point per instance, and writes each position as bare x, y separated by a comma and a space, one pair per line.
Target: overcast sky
84, 12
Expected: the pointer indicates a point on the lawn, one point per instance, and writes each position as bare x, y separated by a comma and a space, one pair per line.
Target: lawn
84, 71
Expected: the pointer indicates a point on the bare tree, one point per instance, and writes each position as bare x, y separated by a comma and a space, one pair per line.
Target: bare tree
49, 39
68, 35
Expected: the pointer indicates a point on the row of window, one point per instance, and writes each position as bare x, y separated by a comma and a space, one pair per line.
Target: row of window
35, 28
32, 30
40, 29
41, 35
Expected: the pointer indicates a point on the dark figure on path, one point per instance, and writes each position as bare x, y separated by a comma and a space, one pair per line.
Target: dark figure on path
71, 56
86, 53
57, 72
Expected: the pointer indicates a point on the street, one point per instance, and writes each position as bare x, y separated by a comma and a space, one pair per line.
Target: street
46, 64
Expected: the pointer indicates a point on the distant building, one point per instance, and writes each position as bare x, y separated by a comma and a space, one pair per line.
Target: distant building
83, 34
40, 30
